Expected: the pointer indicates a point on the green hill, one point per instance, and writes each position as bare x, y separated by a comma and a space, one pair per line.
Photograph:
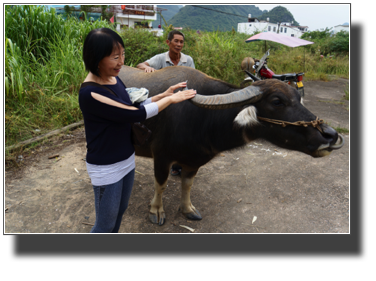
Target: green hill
171, 10
279, 14
213, 17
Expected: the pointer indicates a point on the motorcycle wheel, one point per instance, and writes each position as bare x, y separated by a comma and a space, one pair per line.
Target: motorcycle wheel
301, 92
293, 84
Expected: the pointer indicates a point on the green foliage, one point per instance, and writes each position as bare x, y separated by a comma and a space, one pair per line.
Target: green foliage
219, 54
316, 35
326, 43
42, 77
141, 45
340, 43
30, 27
68, 10
15, 69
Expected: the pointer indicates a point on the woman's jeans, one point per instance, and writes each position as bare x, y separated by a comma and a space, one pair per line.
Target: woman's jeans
111, 201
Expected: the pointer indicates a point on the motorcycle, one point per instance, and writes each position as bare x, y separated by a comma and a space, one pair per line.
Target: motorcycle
262, 72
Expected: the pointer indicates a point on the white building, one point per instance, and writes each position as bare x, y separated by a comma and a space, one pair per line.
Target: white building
285, 28
341, 27
136, 15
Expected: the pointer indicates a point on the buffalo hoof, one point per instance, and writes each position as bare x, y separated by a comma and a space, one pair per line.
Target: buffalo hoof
194, 215
160, 220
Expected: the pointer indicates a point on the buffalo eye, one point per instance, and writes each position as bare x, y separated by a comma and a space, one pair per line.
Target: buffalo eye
277, 102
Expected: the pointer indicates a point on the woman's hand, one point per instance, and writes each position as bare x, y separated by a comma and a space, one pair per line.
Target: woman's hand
175, 98
169, 91
182, 96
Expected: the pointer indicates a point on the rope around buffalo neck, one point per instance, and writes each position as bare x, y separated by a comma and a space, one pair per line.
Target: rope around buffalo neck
315, 123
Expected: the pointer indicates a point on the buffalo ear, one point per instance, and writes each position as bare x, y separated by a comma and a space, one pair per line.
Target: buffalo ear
247, 117
248, 95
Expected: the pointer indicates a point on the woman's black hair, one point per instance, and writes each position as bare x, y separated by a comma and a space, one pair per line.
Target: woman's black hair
99, 43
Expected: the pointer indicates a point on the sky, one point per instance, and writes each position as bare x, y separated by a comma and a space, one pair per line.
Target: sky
315, 16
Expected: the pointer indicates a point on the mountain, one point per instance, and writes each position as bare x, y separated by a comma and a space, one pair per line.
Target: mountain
279, 14
213, 17
171, 10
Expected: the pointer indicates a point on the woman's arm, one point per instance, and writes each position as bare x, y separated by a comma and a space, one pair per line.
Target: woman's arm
175, 98
162, 100
109, 101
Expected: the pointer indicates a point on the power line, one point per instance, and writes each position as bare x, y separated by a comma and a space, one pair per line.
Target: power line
218, 11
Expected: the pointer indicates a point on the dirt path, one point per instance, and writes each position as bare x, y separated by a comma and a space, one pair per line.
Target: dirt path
287, 191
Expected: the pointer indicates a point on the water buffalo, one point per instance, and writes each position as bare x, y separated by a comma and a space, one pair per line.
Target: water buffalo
220, 117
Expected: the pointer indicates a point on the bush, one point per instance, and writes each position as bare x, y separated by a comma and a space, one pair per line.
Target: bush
326, 43
140, 45
340, 43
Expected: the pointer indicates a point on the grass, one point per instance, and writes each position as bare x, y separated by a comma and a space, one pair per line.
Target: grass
44, 67
41, 90
341, 130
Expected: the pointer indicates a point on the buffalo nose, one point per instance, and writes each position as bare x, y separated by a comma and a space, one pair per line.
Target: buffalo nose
329, 133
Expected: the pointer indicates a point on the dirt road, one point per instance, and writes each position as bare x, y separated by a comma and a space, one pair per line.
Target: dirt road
281, 191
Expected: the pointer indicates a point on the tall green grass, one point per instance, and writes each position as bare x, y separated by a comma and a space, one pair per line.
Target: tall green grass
41, 87
44, 67
30, 27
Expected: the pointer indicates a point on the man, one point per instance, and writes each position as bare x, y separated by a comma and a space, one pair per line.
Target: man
174, 56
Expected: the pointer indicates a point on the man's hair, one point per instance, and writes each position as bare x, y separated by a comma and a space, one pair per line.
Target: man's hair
172, 33
99, 43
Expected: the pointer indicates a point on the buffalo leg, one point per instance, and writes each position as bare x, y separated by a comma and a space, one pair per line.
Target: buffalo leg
156, 213
186, 207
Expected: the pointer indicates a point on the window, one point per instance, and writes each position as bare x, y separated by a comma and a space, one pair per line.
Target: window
285, 29
269, 28
292, 35
250, 25
281, 29
273, 28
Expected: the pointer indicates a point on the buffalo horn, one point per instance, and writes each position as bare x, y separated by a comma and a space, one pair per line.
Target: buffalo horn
244, 96
252, 76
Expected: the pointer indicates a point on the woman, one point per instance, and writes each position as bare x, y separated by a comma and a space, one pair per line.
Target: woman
110, 158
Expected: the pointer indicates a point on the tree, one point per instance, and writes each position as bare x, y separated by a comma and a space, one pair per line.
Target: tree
340, 42
104, 14
317, 35
85, 10
68, 10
